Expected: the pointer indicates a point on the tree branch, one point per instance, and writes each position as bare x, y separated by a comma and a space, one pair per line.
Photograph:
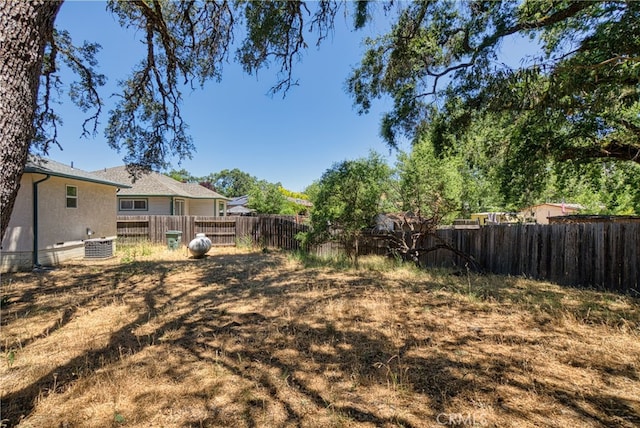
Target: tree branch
573, 9
614, 150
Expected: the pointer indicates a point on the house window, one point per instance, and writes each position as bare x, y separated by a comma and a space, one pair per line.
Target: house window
221, 209
178, 207
72, 197
133, 205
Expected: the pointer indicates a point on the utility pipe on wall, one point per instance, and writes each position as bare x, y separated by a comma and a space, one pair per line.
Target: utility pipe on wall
35, 219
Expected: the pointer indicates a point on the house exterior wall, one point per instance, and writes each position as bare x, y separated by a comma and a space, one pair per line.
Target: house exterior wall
543, 211
95, 210
61, 230
19, 234
206, 207
202, 207
156, 205
161, 205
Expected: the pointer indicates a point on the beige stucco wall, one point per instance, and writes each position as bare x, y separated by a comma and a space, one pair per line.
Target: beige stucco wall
56, 255
19, 235
16, 261
23, 260
542, 212
61, 230
57, 223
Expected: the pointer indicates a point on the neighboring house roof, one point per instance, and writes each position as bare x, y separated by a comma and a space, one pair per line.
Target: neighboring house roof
388, 222
156, 184
239, 201
303, 202
572, 207
239, 209
39, 165
594, 218
244, 201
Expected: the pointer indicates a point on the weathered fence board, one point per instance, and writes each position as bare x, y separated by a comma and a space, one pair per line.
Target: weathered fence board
220, 230
601, 255
268, 231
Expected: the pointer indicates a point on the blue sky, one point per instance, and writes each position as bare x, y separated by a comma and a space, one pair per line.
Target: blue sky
235, 123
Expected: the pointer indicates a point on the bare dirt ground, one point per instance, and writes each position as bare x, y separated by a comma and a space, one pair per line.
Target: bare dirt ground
252, 339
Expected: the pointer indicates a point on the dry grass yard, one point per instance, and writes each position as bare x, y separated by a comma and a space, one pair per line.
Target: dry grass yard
252, 339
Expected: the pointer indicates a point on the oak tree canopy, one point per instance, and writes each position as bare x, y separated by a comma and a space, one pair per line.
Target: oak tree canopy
575, 99
187, 43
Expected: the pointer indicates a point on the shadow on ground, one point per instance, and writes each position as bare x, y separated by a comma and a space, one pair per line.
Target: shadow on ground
257, 340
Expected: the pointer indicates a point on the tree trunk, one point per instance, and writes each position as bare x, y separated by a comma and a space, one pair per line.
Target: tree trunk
25, 29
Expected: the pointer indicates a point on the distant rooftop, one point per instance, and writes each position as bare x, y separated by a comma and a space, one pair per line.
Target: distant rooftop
556, 204
594, 218
156, 184
244, 201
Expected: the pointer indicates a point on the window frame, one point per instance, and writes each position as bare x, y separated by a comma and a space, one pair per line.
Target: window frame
133, 204
69, 197
182, 202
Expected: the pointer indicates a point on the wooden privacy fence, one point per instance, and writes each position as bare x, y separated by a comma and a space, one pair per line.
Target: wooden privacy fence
267, 231
601, 255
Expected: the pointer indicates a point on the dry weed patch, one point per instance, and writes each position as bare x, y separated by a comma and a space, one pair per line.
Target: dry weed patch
248, 339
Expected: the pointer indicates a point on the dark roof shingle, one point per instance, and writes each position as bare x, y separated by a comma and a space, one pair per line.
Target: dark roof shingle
156, 184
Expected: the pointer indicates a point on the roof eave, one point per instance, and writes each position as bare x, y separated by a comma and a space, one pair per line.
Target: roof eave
150, 195
36, 170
